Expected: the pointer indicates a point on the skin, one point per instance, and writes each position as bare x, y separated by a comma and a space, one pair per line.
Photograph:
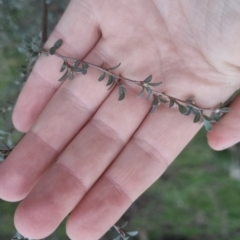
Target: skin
87, 153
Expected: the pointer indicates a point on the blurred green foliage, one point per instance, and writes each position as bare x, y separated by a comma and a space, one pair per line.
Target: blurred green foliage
194, 199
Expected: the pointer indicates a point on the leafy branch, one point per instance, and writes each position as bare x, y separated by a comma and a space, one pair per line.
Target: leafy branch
72, 66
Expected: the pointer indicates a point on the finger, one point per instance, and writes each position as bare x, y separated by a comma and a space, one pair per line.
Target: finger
66, 113
153, 147
79, 31
227, 132
80, 165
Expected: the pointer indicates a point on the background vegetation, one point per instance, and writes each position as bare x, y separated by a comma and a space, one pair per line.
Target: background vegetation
198, 196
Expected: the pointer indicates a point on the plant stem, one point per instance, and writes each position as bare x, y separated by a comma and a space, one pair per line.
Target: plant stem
139, 83
44, 21
97, 67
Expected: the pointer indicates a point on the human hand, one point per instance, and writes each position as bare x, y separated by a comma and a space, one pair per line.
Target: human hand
87, 153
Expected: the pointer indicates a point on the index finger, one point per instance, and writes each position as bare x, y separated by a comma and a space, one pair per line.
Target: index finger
78, 28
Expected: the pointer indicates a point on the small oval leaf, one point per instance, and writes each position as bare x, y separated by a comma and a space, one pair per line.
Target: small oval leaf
84, 71
171, 102
110, 80
225, 109
155, 84
118, 237
35, 47
149, 90
207, 125
153, 109
23, 50
85, 65
76, 63
27, 39
121, 92
148, 79
63, 67
141, 93
71, 76
133, 233
76, 69
58, 44
155, 101
52, 50
102, 77
197, 117
64, 77
182, 109
36, 39
112, 68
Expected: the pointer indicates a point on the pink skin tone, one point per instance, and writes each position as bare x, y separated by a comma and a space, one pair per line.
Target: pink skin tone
87, 153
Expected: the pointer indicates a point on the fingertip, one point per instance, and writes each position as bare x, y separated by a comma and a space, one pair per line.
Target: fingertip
11, 185
216, 142
20, 121
27, 223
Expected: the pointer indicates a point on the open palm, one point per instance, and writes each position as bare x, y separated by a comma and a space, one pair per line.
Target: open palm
88, 154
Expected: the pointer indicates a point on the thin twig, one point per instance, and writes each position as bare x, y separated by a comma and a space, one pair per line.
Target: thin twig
139, 83
44, 21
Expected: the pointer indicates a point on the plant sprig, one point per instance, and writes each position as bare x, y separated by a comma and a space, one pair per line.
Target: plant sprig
123, 234
72, 66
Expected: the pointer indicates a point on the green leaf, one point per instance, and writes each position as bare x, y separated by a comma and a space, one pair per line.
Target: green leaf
23, 50
122, 93
111, 79
153, 109
76, 69
71, 76
101, 78
163, 100
35, 47
76, 63
216, 116
113, 84
27, 40
155, 84
171, 102
182, 109
207, 118
197, 117
85, 65
149, 90
155, 101
64, 77
36, 39
3, 132
225, 109
188, 111
63, 67
133, 233
84, 71
58, 44
207, 125
235, 94
112, 68
141, 93
125, 224
117, 238
148, 79
52, 50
